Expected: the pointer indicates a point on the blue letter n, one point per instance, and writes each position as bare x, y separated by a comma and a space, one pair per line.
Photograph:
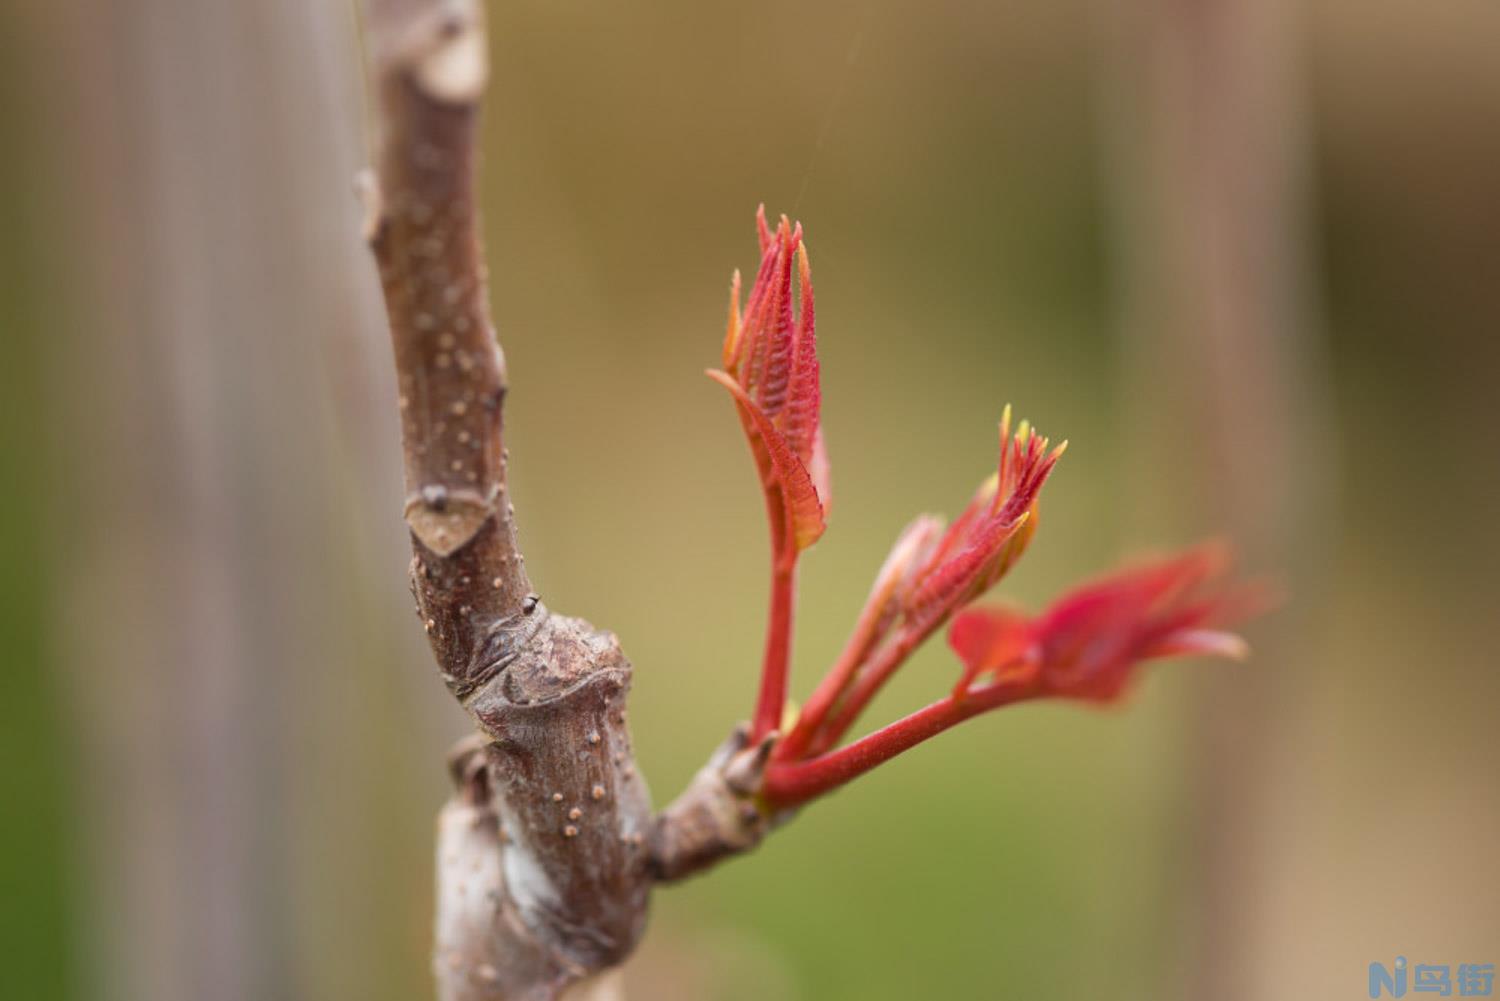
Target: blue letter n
1381, 978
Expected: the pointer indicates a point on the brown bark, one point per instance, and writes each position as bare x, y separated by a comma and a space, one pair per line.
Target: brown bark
542, 866
717, 816
547, 851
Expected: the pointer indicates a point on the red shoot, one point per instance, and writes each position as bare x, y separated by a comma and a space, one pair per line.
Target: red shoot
771, 370
1088, 645
939, 572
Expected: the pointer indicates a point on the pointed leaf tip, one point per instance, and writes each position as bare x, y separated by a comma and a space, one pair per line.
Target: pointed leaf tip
1204, 642
732, 331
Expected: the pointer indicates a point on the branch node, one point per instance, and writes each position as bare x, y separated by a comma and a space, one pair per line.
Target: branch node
445, 519
717, 815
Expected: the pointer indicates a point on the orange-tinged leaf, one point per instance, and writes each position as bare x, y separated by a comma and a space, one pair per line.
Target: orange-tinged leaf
783, 471
770, 357
732, 331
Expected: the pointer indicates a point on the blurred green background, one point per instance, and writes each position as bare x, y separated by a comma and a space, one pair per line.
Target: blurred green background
1245, 255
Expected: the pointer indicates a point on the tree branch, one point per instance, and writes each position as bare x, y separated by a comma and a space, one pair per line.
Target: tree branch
718, 815
469, 575
542, 866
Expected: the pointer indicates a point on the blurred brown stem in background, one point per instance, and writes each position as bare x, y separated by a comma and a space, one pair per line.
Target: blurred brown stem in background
197, 253
1223, 373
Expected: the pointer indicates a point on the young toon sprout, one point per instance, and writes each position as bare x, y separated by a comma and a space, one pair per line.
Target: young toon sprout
771, 370
1088, 645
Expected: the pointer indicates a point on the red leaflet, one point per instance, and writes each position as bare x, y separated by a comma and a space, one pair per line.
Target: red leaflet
782, 472
1087, 645
1090, 642
929, 575
993, 531
771, 369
